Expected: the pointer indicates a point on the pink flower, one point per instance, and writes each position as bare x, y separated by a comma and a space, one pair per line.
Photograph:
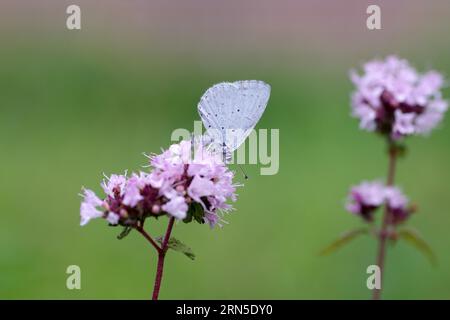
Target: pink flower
397, 204
395, 198
212, 219
177, 181
132, 193
112, 218
200, 172
176, 207
200, 187
89, 207
114, 185
365, 198
431, 117
91, 198
403, 123
391, 97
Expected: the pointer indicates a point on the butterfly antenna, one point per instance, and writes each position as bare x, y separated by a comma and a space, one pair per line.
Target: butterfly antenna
246, 177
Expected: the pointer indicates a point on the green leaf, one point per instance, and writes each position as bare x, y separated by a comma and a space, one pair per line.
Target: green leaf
195, 211
188, 216
413, 237
344, 239
179, 246
124, 233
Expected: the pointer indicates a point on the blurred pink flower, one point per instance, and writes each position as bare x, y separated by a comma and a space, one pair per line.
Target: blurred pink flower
367, 197
397, 204
391, 97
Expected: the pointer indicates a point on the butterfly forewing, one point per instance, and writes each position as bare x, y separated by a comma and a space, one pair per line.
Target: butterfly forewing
230, 111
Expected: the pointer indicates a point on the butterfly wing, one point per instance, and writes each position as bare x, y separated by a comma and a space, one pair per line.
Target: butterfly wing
230, 110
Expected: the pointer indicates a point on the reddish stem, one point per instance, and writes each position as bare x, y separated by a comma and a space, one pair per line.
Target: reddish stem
161, 257
148, 237
381, 257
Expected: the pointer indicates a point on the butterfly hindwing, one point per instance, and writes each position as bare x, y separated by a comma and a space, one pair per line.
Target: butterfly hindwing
230, 111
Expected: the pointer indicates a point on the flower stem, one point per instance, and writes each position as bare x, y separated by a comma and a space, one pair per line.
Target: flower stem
385, 224
161, 257
141, 230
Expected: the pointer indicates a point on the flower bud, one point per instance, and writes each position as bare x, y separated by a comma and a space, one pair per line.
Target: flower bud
156, 209
123, 213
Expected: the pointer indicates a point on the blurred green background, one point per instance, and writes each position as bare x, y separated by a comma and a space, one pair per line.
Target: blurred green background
75, 104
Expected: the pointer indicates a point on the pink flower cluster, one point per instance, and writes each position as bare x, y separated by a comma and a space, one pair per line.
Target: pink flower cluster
185, 183
392, 98
365, 198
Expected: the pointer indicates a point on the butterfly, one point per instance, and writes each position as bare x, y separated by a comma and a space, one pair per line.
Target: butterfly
229, 112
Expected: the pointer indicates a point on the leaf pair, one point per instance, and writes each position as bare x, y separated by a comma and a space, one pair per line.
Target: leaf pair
410, 235
173, 243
